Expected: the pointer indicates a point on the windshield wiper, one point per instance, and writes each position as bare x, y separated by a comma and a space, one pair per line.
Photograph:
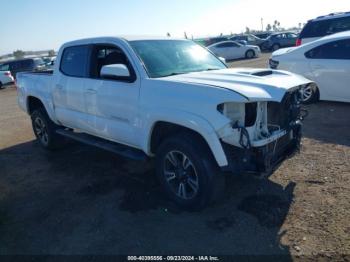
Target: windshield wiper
181, 73
174, 74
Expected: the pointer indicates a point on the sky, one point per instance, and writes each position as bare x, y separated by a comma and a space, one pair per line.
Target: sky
46, 24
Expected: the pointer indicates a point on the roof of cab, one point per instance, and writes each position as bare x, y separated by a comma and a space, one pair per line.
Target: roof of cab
125, 38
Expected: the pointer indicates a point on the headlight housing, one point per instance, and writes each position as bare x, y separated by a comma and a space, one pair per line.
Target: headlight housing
241, 114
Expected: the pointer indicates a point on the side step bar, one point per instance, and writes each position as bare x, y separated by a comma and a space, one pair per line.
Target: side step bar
113, 147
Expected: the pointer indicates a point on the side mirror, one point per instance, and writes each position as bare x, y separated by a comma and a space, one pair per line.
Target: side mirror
115, 71
222, 60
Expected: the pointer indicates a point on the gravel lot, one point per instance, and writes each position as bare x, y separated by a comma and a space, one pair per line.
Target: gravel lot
81, 200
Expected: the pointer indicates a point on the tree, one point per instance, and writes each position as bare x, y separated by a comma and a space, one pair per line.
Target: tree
51, 52
19, 54
268, 27
247, 30
185, 35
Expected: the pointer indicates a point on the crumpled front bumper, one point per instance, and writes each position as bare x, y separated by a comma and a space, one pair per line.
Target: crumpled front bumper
263, 160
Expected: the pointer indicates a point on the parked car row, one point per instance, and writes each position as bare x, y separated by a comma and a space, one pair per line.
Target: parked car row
27, 65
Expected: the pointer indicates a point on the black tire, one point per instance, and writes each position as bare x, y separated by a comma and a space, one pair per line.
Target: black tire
310, 95
1, 86
275, 47
249, 54
202, 168
48, 138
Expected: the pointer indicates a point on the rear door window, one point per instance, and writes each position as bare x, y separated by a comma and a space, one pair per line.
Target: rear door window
75, 60
334, 50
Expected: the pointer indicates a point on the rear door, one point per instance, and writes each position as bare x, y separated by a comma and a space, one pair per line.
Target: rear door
330, 65
69, 88
111, 104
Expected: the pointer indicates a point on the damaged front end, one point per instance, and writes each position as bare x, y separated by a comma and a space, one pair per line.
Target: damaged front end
261, 134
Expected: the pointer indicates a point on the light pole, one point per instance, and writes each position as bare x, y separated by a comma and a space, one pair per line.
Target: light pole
262, 24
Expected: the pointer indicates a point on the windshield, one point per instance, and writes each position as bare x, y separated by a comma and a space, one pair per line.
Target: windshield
171, 57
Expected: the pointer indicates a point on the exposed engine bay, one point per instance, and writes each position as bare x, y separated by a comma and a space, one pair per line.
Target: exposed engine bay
265, 127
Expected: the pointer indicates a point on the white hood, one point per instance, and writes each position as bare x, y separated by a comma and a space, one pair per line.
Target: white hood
253, 84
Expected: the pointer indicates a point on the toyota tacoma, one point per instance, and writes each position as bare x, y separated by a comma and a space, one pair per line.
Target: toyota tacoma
169, 99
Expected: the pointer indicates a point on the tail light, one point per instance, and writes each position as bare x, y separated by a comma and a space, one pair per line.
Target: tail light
7, 73
298, 42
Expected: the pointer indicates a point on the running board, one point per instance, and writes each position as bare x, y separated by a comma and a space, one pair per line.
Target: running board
113, 147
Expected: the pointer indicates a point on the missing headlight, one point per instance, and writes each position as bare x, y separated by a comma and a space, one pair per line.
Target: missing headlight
242, 114
250, 114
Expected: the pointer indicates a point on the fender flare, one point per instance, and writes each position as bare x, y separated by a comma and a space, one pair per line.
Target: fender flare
188, 120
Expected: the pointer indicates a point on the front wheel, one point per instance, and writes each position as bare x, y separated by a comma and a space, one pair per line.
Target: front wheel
187, 171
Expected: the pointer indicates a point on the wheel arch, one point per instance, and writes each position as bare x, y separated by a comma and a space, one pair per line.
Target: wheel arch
33, 102
246, 52
162, 128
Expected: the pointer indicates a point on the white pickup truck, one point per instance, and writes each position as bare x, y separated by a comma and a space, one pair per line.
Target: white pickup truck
169, 99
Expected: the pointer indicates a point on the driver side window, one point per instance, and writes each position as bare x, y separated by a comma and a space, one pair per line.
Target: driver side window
102, 55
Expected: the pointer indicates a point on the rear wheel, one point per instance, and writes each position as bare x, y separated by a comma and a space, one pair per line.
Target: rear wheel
45, 130
187, 171
250, 54
1, 86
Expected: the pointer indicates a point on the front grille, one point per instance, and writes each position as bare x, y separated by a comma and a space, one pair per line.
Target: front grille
283, 113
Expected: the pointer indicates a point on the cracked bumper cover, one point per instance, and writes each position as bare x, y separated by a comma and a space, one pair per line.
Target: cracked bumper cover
263, 160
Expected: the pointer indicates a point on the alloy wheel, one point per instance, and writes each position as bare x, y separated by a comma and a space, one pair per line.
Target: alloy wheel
306, 93
181, 175
41, 131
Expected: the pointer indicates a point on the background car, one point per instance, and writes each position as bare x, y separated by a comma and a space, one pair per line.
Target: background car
249, 38
210, 40
263, 35
233, 50
325, 61
324, 25
49, 62
5, 78
278, 40
23, 65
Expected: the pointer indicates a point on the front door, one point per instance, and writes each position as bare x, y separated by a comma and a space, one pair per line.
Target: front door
111, 104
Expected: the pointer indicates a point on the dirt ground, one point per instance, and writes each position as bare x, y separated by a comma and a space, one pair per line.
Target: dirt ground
81, 200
